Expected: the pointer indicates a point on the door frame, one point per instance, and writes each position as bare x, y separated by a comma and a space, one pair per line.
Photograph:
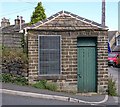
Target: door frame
96, 53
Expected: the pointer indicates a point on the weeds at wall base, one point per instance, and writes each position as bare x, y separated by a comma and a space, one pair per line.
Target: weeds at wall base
112, 87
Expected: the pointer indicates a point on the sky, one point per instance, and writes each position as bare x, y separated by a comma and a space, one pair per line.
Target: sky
89, 9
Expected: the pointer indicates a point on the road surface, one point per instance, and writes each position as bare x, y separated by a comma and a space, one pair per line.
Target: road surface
8, 99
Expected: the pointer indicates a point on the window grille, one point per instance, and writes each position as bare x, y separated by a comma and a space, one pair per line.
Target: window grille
49, 54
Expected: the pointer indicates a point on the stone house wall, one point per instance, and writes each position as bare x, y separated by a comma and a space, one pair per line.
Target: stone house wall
67, 80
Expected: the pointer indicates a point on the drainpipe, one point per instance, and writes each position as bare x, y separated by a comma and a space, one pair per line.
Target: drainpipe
26, 40
20, 22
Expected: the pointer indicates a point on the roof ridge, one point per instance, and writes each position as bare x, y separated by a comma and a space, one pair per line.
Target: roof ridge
52, 17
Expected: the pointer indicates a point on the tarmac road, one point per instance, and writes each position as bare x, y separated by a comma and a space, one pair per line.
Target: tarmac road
9, 99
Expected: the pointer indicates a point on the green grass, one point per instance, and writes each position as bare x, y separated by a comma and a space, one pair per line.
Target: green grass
19, 80
40, 84
43, 84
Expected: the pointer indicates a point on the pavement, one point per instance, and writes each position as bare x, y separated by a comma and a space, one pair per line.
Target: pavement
94, 99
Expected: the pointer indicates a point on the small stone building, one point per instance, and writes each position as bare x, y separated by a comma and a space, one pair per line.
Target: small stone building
114, 39
69, 50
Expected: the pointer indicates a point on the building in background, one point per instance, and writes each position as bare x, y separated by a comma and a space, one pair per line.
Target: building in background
114, 39
11, 35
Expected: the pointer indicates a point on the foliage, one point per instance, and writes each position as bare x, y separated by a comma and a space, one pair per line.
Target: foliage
40, 84
0, 48
14, 54
43, 84
10, 78
38, 14
111, 87
14, 60
6, 78
24, 44
1, 53
20, 80
51, 86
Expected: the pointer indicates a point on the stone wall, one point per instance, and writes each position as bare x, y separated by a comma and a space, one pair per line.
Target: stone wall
14, 61
15, 68
11, 40
67, 80
69, 61
102, 61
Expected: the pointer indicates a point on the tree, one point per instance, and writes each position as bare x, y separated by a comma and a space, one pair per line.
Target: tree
38, 14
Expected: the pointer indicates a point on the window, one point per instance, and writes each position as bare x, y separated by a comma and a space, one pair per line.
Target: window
49, 54
118, 40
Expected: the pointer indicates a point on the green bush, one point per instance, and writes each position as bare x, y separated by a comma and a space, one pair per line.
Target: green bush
43, 84
111, 87
6, 78
40, 84
20, 80
51, 86
10, 78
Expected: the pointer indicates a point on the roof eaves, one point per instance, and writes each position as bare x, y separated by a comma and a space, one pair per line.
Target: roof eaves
49, 19
86, 20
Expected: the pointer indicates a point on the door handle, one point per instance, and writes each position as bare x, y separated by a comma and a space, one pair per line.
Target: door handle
79, 75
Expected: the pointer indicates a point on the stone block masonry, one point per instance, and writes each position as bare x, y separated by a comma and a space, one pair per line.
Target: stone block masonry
70, 27
11, 40
67, 80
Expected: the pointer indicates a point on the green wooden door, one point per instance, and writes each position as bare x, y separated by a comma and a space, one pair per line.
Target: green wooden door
86, 65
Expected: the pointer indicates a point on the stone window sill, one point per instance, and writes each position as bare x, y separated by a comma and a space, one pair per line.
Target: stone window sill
51, 77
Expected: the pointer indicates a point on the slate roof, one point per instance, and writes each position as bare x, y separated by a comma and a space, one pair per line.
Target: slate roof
13, 28
65, 20
111, 34
116, 49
